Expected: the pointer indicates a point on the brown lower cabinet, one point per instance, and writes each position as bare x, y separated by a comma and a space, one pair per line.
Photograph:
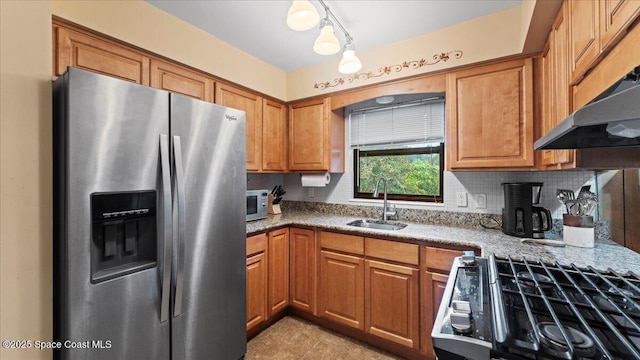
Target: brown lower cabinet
432, 285
392, 290
267, 278
302, 269
256, 280
434, 273
391, 302
383, 292
278, 271
342, 288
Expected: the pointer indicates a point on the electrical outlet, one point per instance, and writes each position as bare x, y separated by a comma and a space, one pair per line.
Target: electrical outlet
461, 199
311, 193
481, 201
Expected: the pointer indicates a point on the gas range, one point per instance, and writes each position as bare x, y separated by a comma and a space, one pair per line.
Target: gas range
505, 308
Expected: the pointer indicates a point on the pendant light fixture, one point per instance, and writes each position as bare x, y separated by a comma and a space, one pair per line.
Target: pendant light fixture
302, 15
350, 62
326, 43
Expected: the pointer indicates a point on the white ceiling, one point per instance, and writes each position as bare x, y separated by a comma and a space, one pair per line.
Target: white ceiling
258, 27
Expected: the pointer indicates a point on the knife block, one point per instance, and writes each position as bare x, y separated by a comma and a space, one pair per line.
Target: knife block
271, 208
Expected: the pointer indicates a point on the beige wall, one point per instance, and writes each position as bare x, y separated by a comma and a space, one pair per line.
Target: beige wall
141, 24
537, 17
488, 37
25, 117
25, 175
526, 13
150, 28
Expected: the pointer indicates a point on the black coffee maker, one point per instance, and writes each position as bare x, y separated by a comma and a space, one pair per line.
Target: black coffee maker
520, 216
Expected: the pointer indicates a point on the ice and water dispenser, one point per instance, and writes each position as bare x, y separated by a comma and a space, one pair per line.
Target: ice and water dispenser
123, 239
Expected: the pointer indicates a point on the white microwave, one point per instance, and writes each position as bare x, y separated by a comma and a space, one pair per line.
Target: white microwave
257, 204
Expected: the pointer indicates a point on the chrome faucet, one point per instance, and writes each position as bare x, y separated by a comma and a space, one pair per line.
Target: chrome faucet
386, 212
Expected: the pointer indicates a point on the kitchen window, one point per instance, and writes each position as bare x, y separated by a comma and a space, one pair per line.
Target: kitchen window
403, 143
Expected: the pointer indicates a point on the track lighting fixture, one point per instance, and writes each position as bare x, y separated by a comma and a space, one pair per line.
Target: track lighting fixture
350, 62
327, 43
303, 15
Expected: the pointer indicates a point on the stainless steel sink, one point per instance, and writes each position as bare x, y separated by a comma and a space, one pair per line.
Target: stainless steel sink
377, 224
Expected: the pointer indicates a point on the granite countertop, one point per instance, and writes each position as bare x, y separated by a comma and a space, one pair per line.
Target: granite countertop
603, 256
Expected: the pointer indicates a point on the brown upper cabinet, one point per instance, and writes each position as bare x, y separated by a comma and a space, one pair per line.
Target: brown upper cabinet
490, 123
316, 136
614, 66
266, 124
555, 87
251, 104
615, 18
490, 116
544, 86
595, 27
562, 90
86, 52
274, 136
180, 80
584, 32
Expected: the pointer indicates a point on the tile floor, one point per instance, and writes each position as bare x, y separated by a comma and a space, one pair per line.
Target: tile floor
293, 338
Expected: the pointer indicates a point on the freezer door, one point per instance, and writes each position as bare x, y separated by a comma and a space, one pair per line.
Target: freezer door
209, 308
109, 218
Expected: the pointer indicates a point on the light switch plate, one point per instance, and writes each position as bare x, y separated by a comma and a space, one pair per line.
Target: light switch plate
461, 199
481, 201
311, 193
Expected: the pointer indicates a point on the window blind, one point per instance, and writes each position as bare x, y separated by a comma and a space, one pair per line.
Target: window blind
411, 124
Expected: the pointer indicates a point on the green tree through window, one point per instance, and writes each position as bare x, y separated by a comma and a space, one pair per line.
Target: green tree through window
412, 173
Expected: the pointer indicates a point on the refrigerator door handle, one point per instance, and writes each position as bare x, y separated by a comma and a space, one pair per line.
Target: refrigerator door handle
166, 229
181, 224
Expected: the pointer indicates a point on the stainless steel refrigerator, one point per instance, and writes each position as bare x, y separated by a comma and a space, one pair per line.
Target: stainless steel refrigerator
149, 223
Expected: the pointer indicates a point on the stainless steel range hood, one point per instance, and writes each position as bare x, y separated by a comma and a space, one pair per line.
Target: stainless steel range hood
612, 120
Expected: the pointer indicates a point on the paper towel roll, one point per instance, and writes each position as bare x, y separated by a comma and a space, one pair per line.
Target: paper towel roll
315, 180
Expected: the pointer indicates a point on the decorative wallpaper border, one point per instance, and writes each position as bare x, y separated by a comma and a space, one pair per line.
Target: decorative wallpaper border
414, 64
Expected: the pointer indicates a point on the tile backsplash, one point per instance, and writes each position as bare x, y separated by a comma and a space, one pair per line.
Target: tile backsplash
340, 190
265, 181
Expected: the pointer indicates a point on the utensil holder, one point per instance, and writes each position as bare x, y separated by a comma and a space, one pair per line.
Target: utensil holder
271, 208
578, 230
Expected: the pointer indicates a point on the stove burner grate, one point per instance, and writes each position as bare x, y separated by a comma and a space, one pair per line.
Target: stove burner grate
554, 343
528, 280
565, 312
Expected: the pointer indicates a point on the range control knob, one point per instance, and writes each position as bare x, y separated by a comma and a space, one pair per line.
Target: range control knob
468, 258
461, 323
461, 316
